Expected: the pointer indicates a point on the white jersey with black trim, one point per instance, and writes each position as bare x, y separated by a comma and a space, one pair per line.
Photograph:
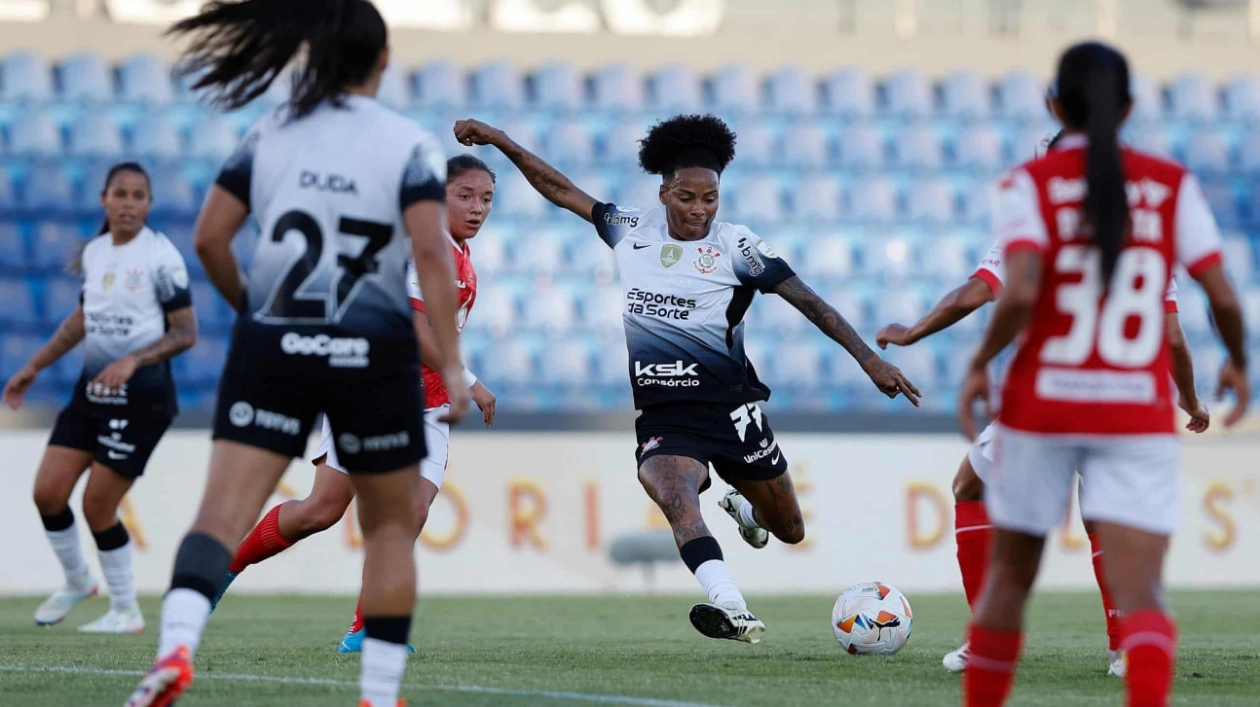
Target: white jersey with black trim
127, 292
685, 303
329, 191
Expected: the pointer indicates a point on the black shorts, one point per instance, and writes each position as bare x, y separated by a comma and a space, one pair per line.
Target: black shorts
736, 441
120, 442
274, 386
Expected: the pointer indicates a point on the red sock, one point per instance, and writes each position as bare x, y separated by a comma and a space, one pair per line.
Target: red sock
358, 617
990, 667
1109, 606
263, 541
973, 533
1150, 646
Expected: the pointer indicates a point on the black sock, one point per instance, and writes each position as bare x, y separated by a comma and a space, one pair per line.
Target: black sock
391, 629
699, 551
111, 538
58, 522
201, 565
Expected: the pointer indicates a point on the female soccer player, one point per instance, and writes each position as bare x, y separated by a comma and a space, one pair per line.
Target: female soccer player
134, 314
469, 198
1091, 233
688, 280
336, 182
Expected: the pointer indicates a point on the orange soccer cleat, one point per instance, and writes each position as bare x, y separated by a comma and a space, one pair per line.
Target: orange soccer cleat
165, 682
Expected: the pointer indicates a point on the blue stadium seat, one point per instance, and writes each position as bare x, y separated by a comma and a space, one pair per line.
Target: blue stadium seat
212, 137
965, 95
758, 199
91, 184
734, 89
1223, 201
908, 94
441, 84
792, 91
773, 315
1240, 258
1207, 153
977, 201
602, 308
61, 297
1242, 97
19, 302
278, 93
805, 145
917, 147
855, 305
1192, 310
796, 364
849, 93
861, 147
552, 309
156, 137
568, 363
874, 200
1021, 96
515, 197
490, 255
920, 364
95, 136
34, 133
540, 252
202, 365
901, 304
757, 145
641, 191
68, 369
612, 362
1250, 296
13, 255
1249, 153
569, 142
931, 200
510, 362
25, 76
589, 256
817, 198
890, 258
212, 312
557, 86
618, 87
8, 193
830, 257
86, 77
948, 259
1148, 104
395, 89
1152, 139
16, 349
980, 148
48, 189
495, 311
1190, 96
498, 85
1032, 141
621, 142
174, 196
145, 78
674, 89
56, 244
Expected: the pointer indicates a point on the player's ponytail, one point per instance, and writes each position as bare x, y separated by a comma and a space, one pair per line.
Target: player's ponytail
1093, 93
239, 47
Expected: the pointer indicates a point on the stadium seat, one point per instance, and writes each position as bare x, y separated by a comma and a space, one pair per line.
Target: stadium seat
86, 77
1249, 153
551, 309
569, 142
965, 95
91, 184
25, 76
16, 349
212, 137
1021, 96
771, 314
830, 257
902, 304
674, 89
8, 193
618, 87
1032, 141
515, 197
395, 91
441, 84
1242, 97
602, 308
758, 200
734, 90
145, 78
873, 199
817, 198
567, 363
979, 148
1250, 297
620, 144
1152, 139
61, 297
641, 191
849, 93
931, 200
68, 369
1223, 201
976, 202
498, 85
13, 257
792, 91
90, 136
796, 364
1240, 258
557, 86
48, 189
34, 134
947, 259
917, 147
805, 145
1207, 153
212, 312
509, 362
1192, 310
174, 196
890, 258
919, 364
495, 311
56, 244
612, 362
861, 147
854, 305
589, 256
1148, 104
202, 365
1192, 97
757, 144
539, 253
156, 137
908, 94
19, 303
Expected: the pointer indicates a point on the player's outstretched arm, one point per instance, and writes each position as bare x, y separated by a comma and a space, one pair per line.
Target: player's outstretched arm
1229, 326
67, 336
221, 218
547, 180
1183, 375
887, 377
953, 308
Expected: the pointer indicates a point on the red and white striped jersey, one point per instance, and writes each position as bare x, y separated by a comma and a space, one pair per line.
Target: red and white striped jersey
1093, 359
435, 393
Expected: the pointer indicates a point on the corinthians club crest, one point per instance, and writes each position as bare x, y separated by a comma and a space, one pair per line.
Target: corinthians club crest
706, 261
671, 254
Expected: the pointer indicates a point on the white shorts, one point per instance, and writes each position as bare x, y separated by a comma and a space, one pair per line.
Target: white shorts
1132, 480
437, 437
981, 453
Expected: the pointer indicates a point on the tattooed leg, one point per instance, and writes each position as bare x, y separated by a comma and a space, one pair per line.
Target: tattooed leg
775, 507
673, 482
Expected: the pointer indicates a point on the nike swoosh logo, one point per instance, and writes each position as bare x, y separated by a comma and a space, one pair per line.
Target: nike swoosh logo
113, 455
776, 459
641, 246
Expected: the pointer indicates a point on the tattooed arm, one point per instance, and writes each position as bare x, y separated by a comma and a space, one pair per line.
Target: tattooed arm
67, 336
181, 334
547, 180
887, 377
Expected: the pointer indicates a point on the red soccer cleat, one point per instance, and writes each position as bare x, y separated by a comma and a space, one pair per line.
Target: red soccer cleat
165, 682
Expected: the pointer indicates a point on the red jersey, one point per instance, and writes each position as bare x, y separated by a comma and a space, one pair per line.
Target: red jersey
1094, 360
435, 394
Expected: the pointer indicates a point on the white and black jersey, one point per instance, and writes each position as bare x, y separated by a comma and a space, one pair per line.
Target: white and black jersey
127, 292
684, 306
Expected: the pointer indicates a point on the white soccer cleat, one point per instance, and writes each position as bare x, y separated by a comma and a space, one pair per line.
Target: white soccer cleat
128, 620
730, 621
956, 661
1118, 664
756, 535
57, 607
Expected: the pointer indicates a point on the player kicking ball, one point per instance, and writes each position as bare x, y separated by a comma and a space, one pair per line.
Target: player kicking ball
469, 198
688, 280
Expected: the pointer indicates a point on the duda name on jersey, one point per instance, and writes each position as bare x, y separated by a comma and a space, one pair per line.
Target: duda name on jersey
327, 182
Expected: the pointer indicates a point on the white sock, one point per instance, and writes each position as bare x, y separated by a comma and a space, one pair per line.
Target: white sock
119, 576
184, 614
746, 518
66, 544
717, 583
381, 670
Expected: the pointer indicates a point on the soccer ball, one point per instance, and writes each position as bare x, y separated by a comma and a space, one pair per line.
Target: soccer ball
872, 618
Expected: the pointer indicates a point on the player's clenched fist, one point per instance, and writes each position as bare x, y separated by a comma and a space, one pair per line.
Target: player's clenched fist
475, 132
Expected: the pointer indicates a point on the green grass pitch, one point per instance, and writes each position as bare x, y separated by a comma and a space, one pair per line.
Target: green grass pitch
632, 651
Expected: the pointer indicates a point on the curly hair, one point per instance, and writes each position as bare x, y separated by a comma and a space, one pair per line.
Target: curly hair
687, 141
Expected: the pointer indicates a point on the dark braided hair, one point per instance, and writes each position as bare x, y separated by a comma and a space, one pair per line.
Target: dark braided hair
687, 141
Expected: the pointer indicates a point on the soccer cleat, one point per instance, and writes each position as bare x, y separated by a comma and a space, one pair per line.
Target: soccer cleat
128, 620
730, 620
57, 607
1118, 664
956, 661
214, 603
756, 535
352, 642
165, 682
